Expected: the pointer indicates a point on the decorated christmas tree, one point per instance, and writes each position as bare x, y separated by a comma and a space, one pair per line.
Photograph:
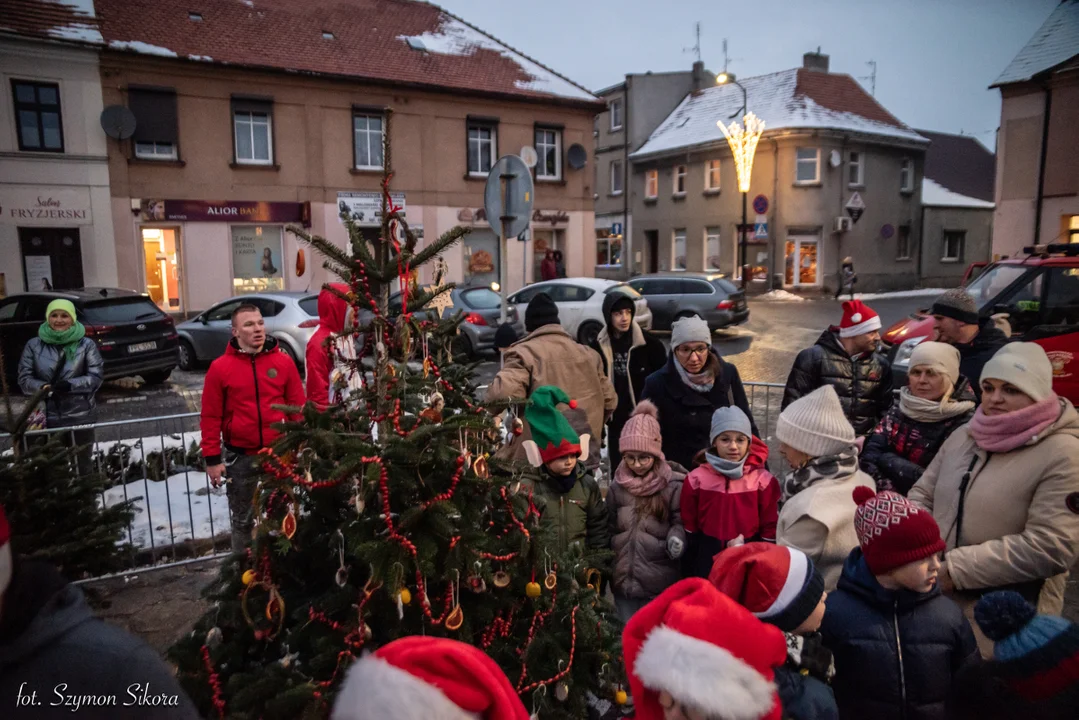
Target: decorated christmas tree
388, 515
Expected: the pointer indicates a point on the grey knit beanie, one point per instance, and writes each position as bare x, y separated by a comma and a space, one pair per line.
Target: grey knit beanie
958, 305
729, 418
690, 329
815, 424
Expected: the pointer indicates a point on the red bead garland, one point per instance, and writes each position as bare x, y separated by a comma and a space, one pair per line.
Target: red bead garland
215, 682
569, 664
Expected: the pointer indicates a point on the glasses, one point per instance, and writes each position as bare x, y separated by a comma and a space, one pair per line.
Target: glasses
637, 459
698, 350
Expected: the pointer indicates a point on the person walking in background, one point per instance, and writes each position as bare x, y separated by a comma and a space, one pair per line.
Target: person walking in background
690, 387
956, 321
559, 264
846, 358
629, 355
323, 348
731, 498
903, 444
644, 507
239, 396
62, 359
847, 278
817, 516
898, 642
548, 268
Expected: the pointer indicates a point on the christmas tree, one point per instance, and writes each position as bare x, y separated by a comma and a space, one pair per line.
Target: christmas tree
386, 515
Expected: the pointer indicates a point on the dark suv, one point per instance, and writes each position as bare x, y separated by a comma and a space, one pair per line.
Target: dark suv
675, 295
134, 336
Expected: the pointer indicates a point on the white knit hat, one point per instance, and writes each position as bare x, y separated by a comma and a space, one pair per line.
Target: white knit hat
815, 424
690, 329
942, 357
1024, 365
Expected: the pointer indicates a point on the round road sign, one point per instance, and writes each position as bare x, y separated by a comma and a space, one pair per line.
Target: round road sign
760, 204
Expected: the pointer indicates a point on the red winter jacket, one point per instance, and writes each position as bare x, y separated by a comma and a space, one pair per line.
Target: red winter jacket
332, 311
238, 398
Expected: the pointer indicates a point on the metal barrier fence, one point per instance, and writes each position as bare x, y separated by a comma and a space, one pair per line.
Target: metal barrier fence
179, 518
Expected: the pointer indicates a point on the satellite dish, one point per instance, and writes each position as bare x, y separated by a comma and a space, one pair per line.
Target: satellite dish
530, 156
577, 156
834, 159
118, 122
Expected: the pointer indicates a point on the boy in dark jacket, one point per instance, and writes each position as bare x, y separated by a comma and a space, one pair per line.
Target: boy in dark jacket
898, 643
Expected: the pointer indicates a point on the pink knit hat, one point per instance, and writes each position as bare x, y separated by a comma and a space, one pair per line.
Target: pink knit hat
641, 431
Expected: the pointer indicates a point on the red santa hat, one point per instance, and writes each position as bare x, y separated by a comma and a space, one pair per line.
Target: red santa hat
707, 651
778, 584
5, 552
858, 319
426, 678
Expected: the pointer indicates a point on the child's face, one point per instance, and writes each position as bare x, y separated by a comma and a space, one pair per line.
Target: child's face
812, 623
731, 445
918, 576
563, 466
639, 463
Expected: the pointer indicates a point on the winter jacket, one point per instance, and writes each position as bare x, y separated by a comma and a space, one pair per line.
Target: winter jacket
642, 567
549, 356
863, 384
899, 449
974, 355
37, 367
896, 651
819, 521
577, 516
717, 509
685, 415
1019, 524
548, 269
332, 310
51, 645
804, 697
238, 396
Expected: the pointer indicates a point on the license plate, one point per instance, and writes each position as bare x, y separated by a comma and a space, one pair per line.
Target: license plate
142, 347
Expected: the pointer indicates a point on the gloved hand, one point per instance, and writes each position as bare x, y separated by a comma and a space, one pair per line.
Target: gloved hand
675, 547
61, 388
737, 541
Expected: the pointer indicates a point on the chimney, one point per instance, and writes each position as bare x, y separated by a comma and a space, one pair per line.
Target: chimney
701, 77
815, 61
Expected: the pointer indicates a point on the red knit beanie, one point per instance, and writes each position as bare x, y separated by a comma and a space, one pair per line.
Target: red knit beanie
893, 531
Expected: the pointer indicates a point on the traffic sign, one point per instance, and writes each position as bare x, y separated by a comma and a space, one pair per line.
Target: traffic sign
855, 207
508, 196
616, 228
760, 231
760, 204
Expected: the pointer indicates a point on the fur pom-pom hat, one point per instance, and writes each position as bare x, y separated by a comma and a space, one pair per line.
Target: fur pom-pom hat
641, 432
707, 651
426, 678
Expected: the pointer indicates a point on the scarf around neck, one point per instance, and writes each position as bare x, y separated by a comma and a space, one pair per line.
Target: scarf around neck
728, 468
1004, 433
644, 485
922, 410
563, 483
825, 467
701, 382
68, 340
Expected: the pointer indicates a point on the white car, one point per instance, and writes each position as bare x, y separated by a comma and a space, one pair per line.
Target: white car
580, 303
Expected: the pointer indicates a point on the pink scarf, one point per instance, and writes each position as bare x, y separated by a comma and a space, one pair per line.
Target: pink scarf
644, 485
1004, 433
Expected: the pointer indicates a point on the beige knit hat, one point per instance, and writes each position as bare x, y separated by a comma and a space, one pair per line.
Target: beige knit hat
1024, 365
942, 357
815, 424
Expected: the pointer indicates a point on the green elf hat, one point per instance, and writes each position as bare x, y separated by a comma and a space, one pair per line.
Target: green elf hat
552, 435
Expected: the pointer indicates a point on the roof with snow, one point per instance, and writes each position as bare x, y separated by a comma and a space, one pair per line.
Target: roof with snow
399, 42
936, 195
1056, 42
960, 164
790, 100
55, 19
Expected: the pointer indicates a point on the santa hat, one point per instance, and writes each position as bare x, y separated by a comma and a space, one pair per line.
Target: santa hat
858, 319
707, 651
892, 530
5, 552
777, 584
427, 678
551, 431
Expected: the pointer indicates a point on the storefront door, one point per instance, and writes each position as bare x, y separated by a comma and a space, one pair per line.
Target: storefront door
481, 257
161, 255
800, 261
542, 241
51, 257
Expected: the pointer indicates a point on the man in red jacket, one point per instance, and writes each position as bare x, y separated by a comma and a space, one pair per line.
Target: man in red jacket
241, 388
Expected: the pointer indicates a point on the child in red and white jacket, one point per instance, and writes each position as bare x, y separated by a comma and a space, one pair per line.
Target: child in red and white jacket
731, 498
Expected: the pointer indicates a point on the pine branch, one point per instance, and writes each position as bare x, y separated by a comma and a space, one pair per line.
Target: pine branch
322, 245
448, 238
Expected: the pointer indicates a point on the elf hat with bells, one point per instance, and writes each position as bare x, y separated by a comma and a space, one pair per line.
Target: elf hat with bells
552, 435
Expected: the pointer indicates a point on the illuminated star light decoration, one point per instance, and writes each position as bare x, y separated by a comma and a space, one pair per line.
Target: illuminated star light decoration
743, 140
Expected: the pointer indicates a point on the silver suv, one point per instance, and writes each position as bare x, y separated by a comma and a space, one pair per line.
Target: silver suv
674, 295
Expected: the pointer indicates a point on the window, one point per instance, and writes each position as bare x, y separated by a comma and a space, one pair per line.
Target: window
37, 112
856, 169
156, 134
680, 180
222, 311
252, 122
310, 305
257, 260
695, 287
1024, 304
482, 146
7, 310
609, 252
656, 286
111, 312
678, 247
549, 149
616, 177
711, 248
616, 115
367, 140
902, 243
1062, 299
651, 184
482, 299
569, 293
906, 176
711, 175
807, 166
1072, 228
155, 151
952, 247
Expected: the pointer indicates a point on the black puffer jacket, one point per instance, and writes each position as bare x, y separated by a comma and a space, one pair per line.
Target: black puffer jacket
974, 355
896, 652
864, 385
899, 449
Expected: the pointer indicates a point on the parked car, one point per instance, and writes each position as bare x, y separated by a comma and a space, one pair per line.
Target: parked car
132, 333
291, 317
675, 295
580, 303
482, 308
1039, 293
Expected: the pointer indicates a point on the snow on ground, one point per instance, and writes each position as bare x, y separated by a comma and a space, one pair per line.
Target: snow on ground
782, 295
197, 511
917, 292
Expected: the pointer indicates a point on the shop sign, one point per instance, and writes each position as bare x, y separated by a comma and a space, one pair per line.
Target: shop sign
154, 210
481, 262
364, 208
550, 216
45, 206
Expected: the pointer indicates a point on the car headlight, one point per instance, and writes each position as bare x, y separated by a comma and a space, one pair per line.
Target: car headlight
902, 355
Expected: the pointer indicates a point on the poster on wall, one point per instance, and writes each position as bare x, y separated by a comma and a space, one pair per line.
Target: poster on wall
365, 208
257, 263
38, 272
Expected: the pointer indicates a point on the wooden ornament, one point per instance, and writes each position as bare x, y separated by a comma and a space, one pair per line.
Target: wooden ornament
501, 579
551, 581
561, 692
341, 578
301, 263
479, 466
288, 525
455, 619
477, 584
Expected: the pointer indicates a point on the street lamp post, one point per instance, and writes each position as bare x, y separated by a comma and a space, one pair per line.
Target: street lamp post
743, 141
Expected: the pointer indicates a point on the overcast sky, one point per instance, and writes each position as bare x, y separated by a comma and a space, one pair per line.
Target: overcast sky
935, 58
